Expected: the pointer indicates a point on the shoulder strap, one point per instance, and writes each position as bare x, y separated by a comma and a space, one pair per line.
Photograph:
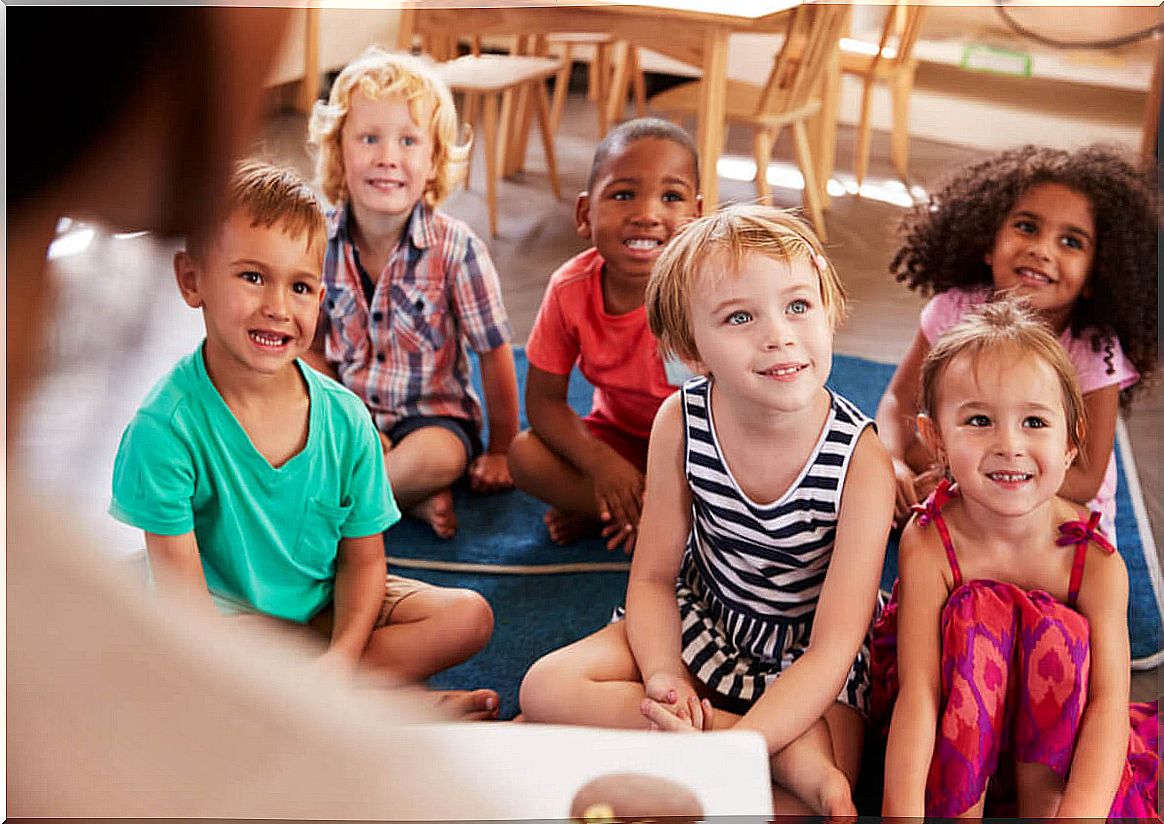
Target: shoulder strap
1081, 533
931, 510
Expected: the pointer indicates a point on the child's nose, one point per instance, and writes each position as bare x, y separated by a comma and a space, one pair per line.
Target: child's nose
777, 332
275, 303
1007, 441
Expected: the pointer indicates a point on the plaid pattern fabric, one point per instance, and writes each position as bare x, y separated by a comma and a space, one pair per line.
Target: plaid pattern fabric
402, 348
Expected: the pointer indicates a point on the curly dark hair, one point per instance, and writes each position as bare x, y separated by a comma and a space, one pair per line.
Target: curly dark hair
945, 240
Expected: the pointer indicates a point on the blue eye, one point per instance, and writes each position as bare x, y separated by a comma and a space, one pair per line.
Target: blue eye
368, 139
799, 306
409, 141
738, 318
673, 197
622, 195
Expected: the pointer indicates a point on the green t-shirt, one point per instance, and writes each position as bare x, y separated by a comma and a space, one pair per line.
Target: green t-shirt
267, 537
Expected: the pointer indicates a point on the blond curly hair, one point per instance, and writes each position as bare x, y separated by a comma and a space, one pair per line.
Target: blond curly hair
379, 74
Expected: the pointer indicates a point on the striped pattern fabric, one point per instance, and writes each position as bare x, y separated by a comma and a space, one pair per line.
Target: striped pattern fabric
752, 573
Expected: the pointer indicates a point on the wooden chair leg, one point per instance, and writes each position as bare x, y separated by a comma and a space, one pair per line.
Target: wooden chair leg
864, 136
638, 82
542, 107
762, 142
492, 160
561, 89
600, 85
506, 131
901, 88
808, 170
469, 116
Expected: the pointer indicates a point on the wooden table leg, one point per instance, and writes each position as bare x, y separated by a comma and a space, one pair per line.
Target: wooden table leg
309, 86
405, 28
711, 112
491, 160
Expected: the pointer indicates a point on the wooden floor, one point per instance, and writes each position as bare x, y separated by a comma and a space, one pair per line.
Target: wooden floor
121, 324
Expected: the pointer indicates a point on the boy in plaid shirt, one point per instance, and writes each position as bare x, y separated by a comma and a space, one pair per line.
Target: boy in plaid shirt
409, 287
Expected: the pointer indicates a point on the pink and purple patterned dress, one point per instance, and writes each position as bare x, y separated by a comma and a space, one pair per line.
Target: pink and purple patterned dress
1015, 667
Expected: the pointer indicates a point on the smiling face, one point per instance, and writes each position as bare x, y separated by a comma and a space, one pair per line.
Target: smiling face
763, 332
1001, 424
387, 156
1044, 250
259, 290
640, 196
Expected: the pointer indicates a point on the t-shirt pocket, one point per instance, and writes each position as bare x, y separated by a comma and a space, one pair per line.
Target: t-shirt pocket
421, 316
319, 537
342, 309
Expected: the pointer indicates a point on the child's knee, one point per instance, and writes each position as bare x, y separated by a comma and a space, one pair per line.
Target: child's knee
525, 453
538, 695
470, 620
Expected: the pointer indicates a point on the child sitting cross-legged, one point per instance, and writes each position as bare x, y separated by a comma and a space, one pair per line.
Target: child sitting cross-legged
643, 185
768, 505
410, 289
260, 483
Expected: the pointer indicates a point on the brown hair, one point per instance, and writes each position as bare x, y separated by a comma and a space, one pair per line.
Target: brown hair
734, 230
945, 239
268, 195
1004, 323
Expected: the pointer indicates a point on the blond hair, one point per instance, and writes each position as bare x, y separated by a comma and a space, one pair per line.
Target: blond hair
268, 194
735, 231
1009, 324
379, 74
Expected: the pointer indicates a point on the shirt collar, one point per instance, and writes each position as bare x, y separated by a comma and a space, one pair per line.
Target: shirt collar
420, 229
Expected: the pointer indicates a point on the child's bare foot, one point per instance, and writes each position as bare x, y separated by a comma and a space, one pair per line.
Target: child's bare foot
468, 705
835, 799
437, 511
568, 527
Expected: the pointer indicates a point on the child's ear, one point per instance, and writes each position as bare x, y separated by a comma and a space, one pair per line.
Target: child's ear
582, 215
699, 205
927, 429
186, 270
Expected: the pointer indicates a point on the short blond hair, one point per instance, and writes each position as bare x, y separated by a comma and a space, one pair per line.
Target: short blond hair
1007, 324
733, 231
268, 194
379, 74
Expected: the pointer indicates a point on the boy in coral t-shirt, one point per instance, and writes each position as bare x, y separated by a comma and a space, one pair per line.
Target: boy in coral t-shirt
643, 185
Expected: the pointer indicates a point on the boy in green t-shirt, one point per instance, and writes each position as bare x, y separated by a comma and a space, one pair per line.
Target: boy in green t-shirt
261, 482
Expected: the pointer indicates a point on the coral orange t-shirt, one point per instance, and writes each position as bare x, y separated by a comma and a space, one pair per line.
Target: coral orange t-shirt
616, 353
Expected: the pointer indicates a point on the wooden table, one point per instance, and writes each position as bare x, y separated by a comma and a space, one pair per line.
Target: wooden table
693, 31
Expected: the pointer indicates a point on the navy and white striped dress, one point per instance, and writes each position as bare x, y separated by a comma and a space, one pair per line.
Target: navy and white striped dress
752, 573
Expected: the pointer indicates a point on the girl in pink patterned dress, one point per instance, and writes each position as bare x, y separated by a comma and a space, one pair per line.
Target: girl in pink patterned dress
1005, 643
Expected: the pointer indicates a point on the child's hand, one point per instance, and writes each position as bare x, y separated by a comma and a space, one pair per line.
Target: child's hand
698, 716
669, 692
906, 492
618, 494
490, 473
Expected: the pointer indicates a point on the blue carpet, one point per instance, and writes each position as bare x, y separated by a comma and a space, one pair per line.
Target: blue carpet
563, 593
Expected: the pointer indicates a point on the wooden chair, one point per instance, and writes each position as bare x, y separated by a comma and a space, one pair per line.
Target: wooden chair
497, 78
790, 97
889, 61
598, 88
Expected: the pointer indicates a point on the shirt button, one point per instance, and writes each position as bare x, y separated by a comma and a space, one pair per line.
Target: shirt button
376, 399
380, 357
377, 317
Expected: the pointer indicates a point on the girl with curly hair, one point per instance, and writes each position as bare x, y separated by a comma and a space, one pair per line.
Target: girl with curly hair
1075, 233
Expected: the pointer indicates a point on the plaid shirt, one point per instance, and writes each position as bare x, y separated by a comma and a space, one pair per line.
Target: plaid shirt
399, 341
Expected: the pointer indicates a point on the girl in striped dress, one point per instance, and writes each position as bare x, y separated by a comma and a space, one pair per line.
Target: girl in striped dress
768, 504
